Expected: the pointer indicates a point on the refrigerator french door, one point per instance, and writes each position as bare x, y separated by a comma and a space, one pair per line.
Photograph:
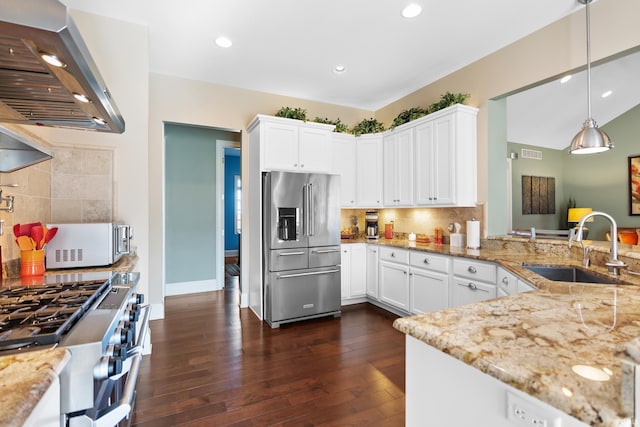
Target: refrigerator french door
301, 253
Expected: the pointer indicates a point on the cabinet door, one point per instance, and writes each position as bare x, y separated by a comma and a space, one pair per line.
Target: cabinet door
344, 164
280, 151
507, 281
358, 270
467, 291
423, 164
398, 169
372, 271
404, 168
345, 271
394, 284
429, 291
315, 150
369, 171
443, 168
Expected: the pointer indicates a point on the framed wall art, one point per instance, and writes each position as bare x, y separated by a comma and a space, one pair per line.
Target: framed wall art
634, 185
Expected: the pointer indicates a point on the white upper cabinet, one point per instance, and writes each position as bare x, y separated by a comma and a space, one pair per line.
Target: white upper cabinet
292, 145
398, 168
344, 164
369, 176
445, 157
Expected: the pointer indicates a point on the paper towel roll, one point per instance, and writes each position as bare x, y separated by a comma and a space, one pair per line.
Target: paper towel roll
473, 234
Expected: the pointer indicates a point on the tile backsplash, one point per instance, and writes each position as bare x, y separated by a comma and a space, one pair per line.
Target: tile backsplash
75, 186
413, 220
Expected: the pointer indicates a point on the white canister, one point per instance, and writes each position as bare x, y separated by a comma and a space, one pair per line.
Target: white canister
456, 240
412, 237
473, 234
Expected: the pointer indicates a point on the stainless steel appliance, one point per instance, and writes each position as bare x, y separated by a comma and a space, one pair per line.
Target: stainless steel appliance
88, 244
371, 224
301, 246
100, 319
48, 75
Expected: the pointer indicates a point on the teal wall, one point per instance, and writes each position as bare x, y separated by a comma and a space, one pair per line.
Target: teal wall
551, 165
190, 202
598, 181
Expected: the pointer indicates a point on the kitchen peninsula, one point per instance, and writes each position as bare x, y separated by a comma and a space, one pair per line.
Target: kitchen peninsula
562, 345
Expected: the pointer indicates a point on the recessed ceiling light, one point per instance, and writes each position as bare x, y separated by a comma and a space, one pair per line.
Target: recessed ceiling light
100, 121
412, 10
339, 69
565, 79
223, 42
607, 93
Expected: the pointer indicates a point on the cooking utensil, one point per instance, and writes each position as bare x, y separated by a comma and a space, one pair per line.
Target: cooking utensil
37, 235
25, 243
16, 230
51, 232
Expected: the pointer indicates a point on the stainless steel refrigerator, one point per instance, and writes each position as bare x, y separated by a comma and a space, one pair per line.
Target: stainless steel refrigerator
301, 246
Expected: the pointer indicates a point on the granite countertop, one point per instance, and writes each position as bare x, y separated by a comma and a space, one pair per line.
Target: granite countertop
535, 341
24, 379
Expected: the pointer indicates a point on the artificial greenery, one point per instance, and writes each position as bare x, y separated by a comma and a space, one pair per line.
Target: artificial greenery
447, 100
292, 113
408, 115
367, 126
339, 125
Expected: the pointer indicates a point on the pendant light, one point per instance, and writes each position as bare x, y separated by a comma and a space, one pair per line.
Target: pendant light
590, 139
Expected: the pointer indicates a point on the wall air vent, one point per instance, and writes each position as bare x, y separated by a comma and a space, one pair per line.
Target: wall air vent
531, 154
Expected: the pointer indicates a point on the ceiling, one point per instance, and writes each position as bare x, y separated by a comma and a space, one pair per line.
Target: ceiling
290, 47
551, 114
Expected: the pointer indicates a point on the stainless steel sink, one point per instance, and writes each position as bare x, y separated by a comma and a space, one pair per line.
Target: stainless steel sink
560, 273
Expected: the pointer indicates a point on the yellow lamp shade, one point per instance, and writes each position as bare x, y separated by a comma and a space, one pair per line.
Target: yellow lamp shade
576, 214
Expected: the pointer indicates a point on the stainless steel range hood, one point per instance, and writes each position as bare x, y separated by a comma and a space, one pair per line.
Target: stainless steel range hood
32, 91
17, 151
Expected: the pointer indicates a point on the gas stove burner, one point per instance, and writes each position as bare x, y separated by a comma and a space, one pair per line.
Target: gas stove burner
37, 315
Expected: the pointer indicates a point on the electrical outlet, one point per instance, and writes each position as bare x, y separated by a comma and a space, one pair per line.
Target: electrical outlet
528, 413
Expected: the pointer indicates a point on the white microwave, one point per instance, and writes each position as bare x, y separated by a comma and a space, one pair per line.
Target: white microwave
88, 244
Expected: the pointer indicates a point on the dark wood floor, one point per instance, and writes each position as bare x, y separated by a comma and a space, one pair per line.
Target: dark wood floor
214, 364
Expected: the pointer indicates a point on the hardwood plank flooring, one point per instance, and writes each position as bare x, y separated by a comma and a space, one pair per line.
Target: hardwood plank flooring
214, 364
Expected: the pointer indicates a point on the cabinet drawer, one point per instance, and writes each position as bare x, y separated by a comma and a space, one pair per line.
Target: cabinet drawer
429, 261
394, 255
474, 270
325, 256
470, 291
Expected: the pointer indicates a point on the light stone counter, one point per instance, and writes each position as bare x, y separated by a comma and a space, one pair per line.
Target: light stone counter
24, 379
532, 341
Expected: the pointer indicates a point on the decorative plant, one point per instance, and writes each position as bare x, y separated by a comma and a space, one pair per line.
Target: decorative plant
367, 126
339, 125
447, 100
292, 113
408, 115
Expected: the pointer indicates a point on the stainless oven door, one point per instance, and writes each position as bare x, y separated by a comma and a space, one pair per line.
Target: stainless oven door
115, 395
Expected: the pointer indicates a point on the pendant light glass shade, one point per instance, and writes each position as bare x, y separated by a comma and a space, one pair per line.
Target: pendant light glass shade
590, 139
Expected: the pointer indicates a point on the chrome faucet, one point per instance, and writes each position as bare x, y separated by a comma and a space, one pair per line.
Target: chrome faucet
614, 264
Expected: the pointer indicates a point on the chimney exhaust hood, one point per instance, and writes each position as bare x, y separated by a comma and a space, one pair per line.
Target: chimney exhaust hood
17, 152
47, 76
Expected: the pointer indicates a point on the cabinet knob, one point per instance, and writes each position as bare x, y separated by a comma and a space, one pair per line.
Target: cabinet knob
393, 254
426, 261
505, 280
295, 165
472, 269
472, 286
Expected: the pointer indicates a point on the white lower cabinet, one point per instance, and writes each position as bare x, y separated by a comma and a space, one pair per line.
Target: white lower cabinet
372, 271
507, 282
428, 282
394, 277
353, 270
473, 281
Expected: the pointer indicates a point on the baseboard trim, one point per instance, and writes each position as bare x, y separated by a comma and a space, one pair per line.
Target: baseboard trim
184, 288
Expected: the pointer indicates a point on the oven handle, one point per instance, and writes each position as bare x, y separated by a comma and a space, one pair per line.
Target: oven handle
120, 410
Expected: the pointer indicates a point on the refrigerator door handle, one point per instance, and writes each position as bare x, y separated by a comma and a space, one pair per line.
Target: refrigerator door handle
325, 251
311, 273
305, 210
312, 228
